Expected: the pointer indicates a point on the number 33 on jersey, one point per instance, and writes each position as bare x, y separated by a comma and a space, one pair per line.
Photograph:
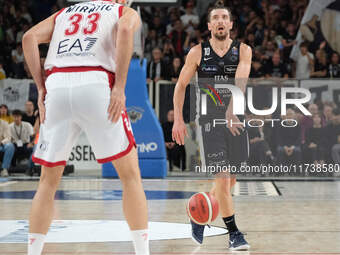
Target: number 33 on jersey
85, 33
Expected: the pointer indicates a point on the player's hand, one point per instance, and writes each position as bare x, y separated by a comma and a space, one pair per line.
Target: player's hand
41, 104
117, 104
179, 132
236, 127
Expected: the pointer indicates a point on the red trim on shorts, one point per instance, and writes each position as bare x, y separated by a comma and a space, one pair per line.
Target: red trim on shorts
48, 164
128, 132
132, 142
120, 10
117, 156
60, 11
74, 69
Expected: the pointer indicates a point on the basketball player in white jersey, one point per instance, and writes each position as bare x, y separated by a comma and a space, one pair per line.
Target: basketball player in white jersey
91, 44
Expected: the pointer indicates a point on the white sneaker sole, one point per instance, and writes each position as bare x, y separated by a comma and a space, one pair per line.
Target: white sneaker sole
195, 241
244, 247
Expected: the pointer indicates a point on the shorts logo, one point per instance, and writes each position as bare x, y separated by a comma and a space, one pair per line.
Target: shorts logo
43, 146
215, 155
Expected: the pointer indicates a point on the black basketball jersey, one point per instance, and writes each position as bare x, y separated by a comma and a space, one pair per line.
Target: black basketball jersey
213, 70
220, 69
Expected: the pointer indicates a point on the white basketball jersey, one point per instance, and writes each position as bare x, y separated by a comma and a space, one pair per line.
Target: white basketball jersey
85, 35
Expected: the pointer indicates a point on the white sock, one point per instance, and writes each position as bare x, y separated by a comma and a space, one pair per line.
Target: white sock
35, 243
140, 240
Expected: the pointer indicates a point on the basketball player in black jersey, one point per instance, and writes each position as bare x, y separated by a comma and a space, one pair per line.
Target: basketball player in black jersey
226, 59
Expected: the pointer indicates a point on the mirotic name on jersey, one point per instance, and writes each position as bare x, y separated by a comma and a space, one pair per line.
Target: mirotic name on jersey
89, 7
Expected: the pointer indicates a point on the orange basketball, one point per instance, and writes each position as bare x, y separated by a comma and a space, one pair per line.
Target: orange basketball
202, 208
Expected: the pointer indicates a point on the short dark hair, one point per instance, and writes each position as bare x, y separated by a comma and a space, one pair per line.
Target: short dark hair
304, 44
17, 113
219, 7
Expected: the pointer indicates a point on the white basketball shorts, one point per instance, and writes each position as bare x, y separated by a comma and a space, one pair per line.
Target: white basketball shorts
77, 101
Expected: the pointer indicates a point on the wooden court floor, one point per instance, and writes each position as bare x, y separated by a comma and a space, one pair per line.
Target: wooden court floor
297, 218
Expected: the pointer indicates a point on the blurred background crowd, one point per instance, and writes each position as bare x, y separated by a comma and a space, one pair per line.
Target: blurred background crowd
268, 26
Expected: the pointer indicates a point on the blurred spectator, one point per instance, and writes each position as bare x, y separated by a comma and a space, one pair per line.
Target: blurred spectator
189, 19
304, 62
29, 115
196, 37
176, 153
270, 49
315, 144
307, 121
334, 67
202, 7
25, 14
288, 41
327, 113
2, 72
260, 152
175, 69
156, 68
320, 65
259, 56
158, 27
172, 16
289, 140
178, 36
257, 70
259, 31
18, 61
151, 42
6, 147
333, 136
250, 40
4, 114
168, 52
276, 68
21, 134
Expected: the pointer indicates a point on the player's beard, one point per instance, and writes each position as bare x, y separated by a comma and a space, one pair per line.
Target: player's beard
221, 37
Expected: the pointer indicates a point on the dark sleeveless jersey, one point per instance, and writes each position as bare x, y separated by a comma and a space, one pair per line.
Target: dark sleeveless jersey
220, 69
214, 70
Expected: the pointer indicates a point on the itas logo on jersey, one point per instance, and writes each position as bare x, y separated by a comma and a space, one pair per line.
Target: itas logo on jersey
76, 47
221, 77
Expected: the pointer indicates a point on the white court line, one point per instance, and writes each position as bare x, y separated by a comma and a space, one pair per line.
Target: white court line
6, 184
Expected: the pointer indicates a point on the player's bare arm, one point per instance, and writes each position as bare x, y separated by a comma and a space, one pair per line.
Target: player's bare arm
127, 25
40, 33
179, 130
241, 79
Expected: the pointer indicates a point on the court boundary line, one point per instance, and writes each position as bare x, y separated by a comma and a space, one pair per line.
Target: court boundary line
185, 253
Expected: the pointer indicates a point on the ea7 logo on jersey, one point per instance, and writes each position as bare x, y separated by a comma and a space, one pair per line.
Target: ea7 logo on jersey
77, 47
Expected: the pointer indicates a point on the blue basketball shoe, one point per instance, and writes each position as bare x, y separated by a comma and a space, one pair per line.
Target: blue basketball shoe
197, 232
237, 242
